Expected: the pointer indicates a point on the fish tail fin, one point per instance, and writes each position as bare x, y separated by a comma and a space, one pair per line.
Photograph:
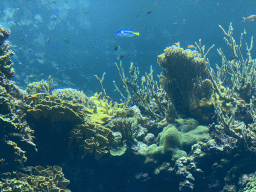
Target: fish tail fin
136, 33
243, 20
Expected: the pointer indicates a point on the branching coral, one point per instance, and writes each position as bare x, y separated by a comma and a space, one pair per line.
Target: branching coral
234, 83
149, 96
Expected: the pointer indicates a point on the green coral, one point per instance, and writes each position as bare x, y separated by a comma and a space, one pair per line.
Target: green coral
176, 141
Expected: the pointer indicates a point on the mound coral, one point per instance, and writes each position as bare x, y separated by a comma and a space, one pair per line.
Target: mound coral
184, 78
37, 87
69, 113
176, 141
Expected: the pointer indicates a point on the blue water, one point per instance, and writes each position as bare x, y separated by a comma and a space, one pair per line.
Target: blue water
90, 28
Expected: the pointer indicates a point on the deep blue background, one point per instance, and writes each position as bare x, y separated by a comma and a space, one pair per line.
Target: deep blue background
91, 26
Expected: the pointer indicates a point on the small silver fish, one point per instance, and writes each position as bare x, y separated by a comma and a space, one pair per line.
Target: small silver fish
27, 168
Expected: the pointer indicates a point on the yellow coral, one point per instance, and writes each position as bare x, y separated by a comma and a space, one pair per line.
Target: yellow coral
104, 110
86, 115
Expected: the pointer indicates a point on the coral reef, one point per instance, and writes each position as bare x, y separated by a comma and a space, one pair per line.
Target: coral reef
125, 131
50, 179
69, 113
176, 141
16, 138
234, 84
42, 107
150, 98
71, 95
185, 78
195, 131
91, 139
103, 110
37, 87
6, 65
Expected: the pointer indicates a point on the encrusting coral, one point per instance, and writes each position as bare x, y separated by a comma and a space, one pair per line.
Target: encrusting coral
176, 141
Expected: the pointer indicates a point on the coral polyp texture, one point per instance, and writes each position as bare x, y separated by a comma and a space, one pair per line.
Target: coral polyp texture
69, 118
176, 141
16, 138
184, 78
40, 179
6, 67
37, 87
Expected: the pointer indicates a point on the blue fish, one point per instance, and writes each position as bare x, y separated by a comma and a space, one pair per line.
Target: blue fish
127, 33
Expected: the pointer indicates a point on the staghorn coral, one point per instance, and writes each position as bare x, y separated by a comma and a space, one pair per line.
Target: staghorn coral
149, 97
234, 86
50, 179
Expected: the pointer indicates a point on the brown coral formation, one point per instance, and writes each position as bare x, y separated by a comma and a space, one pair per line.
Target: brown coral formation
185, 80
42, 106
53, 120
68, 113
91, 139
